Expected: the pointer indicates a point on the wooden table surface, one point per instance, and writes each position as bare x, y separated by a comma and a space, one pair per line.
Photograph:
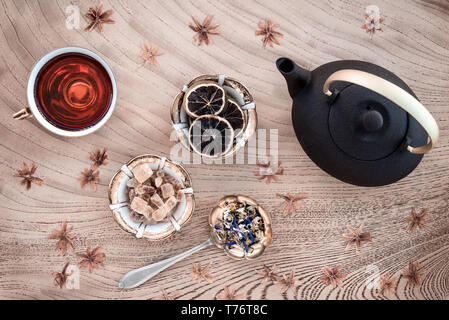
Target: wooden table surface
414, 45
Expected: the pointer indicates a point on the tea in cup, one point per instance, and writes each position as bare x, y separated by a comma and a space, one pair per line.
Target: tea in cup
71, 92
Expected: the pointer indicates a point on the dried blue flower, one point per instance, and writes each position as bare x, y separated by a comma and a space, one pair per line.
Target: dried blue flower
240, 225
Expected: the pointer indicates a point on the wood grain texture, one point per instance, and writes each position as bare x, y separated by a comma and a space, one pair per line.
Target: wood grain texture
414, 45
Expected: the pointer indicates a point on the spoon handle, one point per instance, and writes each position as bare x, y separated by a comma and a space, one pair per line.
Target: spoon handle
136, 277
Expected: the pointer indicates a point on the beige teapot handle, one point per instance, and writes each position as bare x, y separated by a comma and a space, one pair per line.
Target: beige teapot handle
394, 93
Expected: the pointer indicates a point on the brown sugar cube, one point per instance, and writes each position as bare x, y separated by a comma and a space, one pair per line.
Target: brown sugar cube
139, 205
131, 194
137, 217
179, 195
157, 200
142, 173
158, 181
142, 189
160, 214
169, 179
171, 203
131, 183
167, 190
148, 212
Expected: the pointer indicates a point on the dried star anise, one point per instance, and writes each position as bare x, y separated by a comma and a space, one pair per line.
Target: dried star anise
288, 282
149, 54
387, 285
65, 238
269, 172
98, 158
229, 294
291, 202
203, 30
97, 17
266, 30
356, 237
92, 259
199, 273
167, 296
413, 273
27, 175
333, 276
89, 177
61, 277
417, 220
269, 273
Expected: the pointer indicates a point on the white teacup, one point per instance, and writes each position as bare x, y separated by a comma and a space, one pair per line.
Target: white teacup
33, 110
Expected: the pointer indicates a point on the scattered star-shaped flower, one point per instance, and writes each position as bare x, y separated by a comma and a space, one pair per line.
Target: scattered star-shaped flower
291, 202
268, 33
387, 285
91, 259
97, 17
203, 30
417, 220
288, 282
356, 237
149, 54
98, 158
230, 294
333, 276
167, 296
89, 177
269, 273
199, 273
27, 175
413, 273
65, 239
61, 277
269, 171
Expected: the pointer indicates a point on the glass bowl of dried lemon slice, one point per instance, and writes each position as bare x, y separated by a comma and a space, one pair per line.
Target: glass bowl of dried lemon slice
214, 116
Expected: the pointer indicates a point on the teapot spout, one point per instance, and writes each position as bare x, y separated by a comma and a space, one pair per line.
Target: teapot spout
297, 78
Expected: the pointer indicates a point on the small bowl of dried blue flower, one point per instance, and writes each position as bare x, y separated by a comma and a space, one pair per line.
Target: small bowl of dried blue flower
241, 227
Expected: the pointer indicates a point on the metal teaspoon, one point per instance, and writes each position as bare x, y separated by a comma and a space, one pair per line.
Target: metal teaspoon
137, 277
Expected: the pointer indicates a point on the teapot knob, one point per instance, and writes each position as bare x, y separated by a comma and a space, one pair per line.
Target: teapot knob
372, 121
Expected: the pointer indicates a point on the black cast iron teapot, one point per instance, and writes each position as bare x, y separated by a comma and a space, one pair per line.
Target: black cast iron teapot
357, 121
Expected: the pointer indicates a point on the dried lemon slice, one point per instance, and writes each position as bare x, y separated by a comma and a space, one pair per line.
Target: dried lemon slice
211, 136
204, 98
236, 117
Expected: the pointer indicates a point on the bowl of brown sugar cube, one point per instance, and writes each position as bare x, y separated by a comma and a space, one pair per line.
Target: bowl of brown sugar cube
151, 197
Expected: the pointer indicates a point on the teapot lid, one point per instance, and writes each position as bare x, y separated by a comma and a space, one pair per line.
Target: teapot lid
365, 125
